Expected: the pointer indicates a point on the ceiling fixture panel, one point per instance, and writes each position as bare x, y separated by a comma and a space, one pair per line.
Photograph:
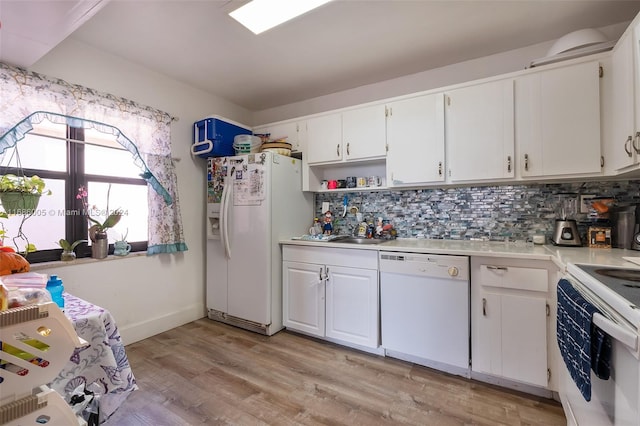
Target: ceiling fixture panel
262, 15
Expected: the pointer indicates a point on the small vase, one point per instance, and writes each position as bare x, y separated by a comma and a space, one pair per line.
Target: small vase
100, 245
67, 256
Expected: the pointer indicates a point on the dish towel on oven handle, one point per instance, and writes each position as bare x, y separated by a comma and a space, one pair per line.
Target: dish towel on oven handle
584, 347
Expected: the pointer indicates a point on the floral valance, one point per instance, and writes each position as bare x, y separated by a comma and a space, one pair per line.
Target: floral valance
24, 126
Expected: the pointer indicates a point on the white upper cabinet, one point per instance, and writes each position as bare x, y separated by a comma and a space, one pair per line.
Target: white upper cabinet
364, 133
415, 137
622, 144
480, 132
324, 138
636, 73
557, 116
353, 135
294, 131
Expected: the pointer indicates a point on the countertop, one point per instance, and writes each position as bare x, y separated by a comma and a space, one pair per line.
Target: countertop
561, 256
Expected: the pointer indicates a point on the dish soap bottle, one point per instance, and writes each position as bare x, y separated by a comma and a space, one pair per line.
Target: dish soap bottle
55, 287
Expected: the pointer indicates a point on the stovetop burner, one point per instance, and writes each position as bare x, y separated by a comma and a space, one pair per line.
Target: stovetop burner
624, 281
623, 274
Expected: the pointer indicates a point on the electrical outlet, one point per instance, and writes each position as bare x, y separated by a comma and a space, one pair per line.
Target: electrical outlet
585, 203
325, 206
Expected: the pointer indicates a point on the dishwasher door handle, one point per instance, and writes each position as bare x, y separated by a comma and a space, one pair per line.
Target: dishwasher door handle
497, 268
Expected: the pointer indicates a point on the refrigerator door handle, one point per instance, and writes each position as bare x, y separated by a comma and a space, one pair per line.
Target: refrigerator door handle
223, 216
228, 187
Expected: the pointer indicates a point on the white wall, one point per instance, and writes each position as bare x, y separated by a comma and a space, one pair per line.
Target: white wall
488, 66
146, 295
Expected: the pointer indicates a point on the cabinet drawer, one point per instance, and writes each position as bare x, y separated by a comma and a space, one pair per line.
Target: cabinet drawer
519, 278
353, 258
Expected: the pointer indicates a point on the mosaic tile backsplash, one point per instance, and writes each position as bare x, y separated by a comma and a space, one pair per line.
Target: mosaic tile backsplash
497, 213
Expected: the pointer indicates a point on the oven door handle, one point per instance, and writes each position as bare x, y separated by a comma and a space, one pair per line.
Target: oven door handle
620, 333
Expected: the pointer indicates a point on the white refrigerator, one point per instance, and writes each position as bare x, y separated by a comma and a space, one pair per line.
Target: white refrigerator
253, 201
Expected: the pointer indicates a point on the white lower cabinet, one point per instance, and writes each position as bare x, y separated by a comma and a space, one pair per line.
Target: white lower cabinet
332, 293
304, 294
510, 319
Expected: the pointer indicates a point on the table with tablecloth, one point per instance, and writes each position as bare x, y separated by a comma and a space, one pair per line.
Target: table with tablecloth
102, 366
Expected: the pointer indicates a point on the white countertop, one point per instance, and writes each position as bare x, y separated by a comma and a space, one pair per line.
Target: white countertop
561, 256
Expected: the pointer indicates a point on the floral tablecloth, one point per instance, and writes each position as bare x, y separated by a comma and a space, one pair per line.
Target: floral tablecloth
103, 363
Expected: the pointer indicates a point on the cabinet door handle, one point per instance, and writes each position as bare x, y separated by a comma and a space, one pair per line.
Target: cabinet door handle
526, 162
628, 143
509, 164
636, 139
347, 148
497, 268
484, 307
320, 275
326, 274
440, 168
338, 150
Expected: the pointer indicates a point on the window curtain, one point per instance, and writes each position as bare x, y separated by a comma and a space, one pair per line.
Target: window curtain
27, 98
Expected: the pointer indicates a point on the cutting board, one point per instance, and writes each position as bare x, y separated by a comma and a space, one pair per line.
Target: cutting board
635, 260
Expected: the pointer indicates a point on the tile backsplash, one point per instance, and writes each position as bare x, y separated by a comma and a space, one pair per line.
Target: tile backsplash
499, 213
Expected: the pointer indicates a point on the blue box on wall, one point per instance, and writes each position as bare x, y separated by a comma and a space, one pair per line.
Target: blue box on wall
213, 136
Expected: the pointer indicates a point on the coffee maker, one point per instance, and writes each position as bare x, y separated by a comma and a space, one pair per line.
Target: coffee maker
565, 231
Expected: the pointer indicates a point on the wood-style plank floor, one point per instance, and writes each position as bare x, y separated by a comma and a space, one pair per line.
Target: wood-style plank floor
208, 373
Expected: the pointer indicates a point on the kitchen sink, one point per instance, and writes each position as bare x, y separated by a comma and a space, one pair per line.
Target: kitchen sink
359, 240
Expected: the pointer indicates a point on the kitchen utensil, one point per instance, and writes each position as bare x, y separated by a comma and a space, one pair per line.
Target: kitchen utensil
566, 233
624, 220
635, 243
282, 148
538, 239
374, 181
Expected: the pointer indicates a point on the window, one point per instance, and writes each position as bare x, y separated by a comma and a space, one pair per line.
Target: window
57, 154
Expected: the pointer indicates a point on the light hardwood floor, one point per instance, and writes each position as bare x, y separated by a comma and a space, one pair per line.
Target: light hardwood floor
208, 373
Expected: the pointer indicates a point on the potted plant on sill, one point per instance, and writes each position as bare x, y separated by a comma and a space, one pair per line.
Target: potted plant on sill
68, 252
98, 231
21, 194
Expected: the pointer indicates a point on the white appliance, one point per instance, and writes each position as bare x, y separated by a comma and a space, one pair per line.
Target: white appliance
253, 201
424, 308
616, 401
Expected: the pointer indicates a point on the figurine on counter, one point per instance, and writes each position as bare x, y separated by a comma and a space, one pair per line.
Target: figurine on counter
327, 228
379, 225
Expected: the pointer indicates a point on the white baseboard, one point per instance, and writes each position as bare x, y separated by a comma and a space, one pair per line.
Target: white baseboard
141, 330
511, 384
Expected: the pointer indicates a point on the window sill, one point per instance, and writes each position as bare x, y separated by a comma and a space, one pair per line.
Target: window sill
82, 261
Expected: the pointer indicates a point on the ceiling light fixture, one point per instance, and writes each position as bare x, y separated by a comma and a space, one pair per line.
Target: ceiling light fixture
261, 15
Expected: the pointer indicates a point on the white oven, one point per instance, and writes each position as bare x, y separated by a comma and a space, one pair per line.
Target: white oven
614, 401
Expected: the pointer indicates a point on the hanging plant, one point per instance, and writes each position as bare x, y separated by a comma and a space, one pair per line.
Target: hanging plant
20, 194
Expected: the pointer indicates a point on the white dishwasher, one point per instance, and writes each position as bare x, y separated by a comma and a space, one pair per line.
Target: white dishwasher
424, 306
